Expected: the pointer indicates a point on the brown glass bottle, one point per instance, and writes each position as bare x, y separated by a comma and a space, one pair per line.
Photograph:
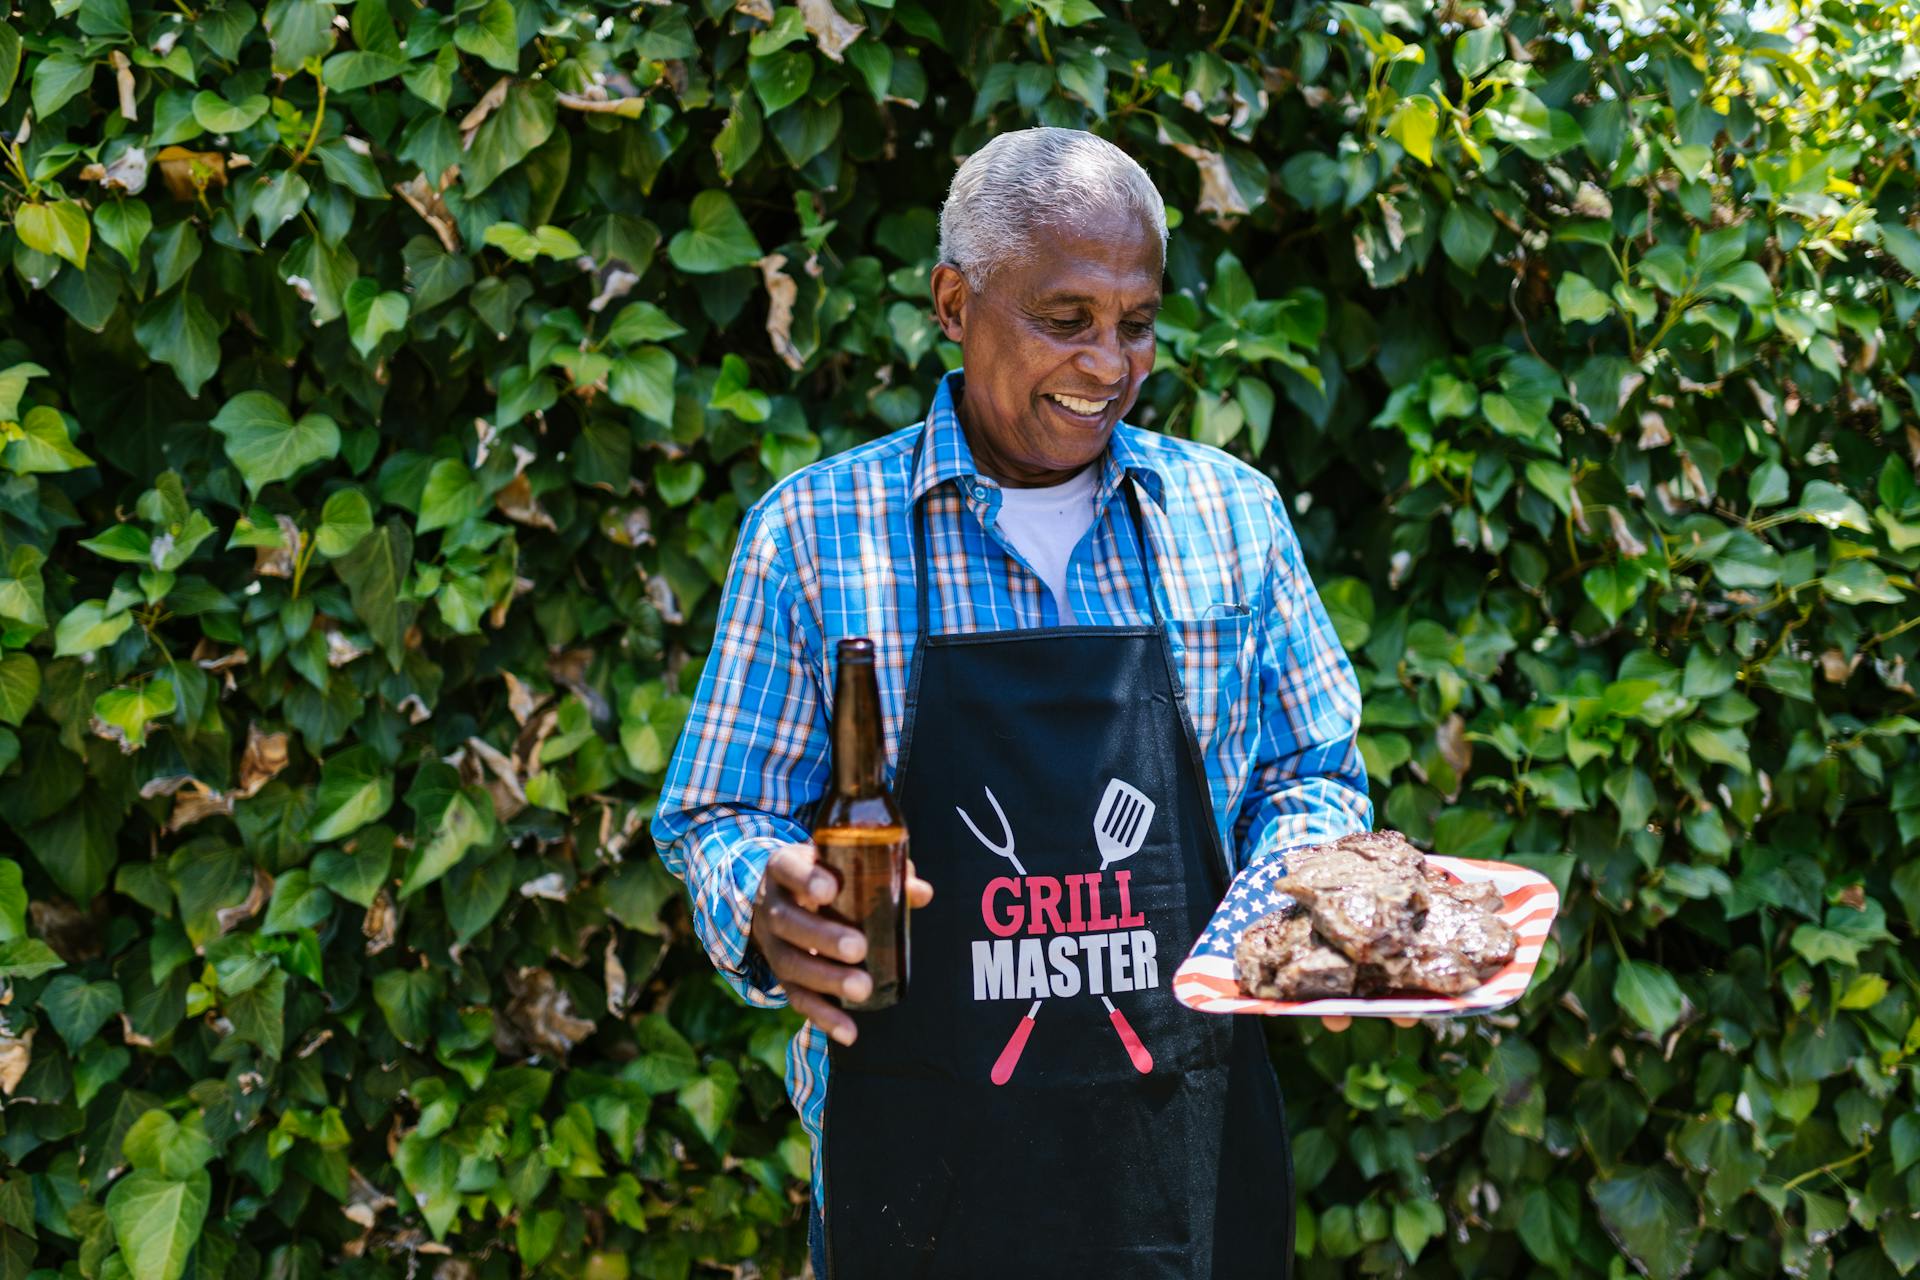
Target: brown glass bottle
859, 832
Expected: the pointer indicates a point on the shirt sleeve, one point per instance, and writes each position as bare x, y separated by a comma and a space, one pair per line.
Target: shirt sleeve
751, 762
1308, 783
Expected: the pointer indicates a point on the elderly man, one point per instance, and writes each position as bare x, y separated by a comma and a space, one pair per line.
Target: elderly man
1062, 606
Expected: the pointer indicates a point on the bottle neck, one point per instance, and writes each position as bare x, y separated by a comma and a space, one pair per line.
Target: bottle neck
859, 754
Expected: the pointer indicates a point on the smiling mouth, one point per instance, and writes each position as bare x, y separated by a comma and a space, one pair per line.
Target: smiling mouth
1078, 407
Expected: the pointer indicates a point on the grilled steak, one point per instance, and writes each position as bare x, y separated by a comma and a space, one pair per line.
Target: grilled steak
1372, 917
1279, 958
1366, 893
1458, 946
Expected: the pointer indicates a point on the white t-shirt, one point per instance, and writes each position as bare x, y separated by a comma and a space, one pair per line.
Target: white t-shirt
1045, 524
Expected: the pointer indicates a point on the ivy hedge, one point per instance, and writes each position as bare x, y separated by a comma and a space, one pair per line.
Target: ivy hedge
382, 386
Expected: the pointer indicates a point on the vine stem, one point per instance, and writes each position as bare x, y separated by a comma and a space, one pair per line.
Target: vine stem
1040, 34
1266, 25
313, 134
1842, 1163
1233, 16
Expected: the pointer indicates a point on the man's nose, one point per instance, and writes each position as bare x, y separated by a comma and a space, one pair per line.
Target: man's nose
1101, 358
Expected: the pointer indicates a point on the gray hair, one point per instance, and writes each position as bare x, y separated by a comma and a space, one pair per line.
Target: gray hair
1033, 178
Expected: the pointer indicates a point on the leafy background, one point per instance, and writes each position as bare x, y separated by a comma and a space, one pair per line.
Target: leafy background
382, 387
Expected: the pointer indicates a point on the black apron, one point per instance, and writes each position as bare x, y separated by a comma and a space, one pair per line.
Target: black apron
1040, 1104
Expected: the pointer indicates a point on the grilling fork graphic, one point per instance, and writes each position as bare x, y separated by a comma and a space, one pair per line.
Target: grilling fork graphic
1119, 829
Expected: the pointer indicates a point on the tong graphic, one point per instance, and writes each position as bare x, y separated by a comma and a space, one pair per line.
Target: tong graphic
1117, 791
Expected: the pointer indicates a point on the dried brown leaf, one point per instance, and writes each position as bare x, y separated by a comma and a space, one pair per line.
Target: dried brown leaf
132, 1037
781, 293
123, 85
614, 975
520, 702
16, 1055
230, 918
364, 1200
1218, 195
1623, 535
340, 649
424, 198
830, 31
1450, 738
759, 10
265, 756
509, 796
75, 935
484, 108
516, 502
187, 172
197, 801
1837, 667
538, 1017
379, 924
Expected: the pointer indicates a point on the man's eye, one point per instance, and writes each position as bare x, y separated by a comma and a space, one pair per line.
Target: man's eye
1137, 328
1059, 325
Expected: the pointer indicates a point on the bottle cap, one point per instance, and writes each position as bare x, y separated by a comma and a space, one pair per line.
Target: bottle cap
858, 649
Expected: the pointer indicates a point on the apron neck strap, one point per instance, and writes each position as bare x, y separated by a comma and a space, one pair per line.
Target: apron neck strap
1136, 537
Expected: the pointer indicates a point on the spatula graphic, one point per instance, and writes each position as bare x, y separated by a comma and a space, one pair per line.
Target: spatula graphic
1120, 823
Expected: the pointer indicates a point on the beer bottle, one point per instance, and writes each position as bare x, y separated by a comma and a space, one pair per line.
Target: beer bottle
858, 830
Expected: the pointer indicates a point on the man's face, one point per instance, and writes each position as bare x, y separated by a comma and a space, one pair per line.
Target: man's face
1055, 347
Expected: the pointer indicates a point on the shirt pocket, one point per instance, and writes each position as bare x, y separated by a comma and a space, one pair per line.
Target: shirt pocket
1214, 653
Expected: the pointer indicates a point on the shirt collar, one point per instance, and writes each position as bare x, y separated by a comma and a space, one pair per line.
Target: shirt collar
945, 455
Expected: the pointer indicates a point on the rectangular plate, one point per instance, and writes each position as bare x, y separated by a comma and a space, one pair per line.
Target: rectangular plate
1206, 981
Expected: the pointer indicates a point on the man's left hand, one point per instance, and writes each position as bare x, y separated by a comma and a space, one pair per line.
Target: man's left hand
1340, 1022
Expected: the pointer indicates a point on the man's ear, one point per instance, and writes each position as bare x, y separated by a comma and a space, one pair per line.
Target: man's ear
950, 294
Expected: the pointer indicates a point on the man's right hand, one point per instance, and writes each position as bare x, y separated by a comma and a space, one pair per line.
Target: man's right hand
816, 959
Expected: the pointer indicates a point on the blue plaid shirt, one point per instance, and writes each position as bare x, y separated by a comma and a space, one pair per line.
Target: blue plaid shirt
828, 553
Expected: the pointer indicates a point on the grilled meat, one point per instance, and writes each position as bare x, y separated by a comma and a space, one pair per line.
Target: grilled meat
1280, 958
1372, 917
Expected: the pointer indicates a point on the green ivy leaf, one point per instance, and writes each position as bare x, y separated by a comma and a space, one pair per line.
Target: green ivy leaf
158, 1143
1649, 995
642, 322
372, 315
60, 229
44, 445
780, 79
717, 238
58, 79
733, 392
89, 626
78, 1008
375, 571
1579, 300
356, 788
130, 708
298, 903
178, 331
678, 481
27, 959
642, 380
157, 1220
266, 444
300, 30
409, 999
1414, 124
466, 821
489, 36
1070, 13
1652, 1217
217, 115
451, 496
124, 225
13, 901
509, 135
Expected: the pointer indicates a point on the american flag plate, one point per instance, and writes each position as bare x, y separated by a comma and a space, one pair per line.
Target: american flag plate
1206, 979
